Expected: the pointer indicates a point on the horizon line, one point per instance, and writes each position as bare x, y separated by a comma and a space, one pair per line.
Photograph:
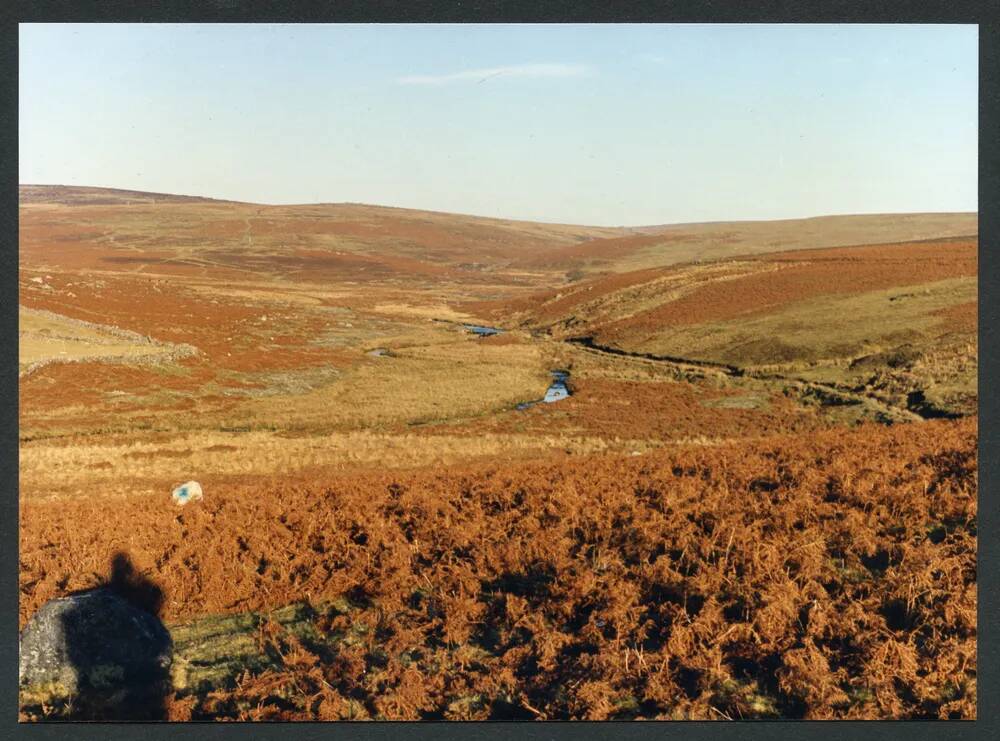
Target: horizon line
493, 218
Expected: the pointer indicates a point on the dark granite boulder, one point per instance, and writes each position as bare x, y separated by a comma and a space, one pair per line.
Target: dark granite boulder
108, 657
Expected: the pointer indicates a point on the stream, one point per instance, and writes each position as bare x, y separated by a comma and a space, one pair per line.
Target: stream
557, 391
482, 331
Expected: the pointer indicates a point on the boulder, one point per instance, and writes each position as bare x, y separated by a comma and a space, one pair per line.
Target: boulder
189, 492
97, 650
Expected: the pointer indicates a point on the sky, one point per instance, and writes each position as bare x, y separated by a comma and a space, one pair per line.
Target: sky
590, 124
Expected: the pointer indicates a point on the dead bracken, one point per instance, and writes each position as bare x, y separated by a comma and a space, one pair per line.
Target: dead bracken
830, 575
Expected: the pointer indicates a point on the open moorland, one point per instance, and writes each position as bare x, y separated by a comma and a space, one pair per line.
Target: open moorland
758, 498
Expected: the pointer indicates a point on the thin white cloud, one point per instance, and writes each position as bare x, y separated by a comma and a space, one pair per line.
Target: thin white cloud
513, 70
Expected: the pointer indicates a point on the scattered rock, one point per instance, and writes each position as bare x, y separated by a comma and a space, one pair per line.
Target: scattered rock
189, 492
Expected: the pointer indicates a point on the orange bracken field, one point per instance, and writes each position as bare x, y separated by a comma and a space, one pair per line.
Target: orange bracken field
833, 576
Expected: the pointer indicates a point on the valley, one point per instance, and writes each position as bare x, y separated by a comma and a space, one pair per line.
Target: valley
759, 436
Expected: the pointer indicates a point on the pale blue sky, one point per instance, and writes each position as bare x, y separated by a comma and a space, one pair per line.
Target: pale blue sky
619, 124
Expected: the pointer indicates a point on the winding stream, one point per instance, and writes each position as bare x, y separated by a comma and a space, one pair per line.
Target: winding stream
884, 409
833, 394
